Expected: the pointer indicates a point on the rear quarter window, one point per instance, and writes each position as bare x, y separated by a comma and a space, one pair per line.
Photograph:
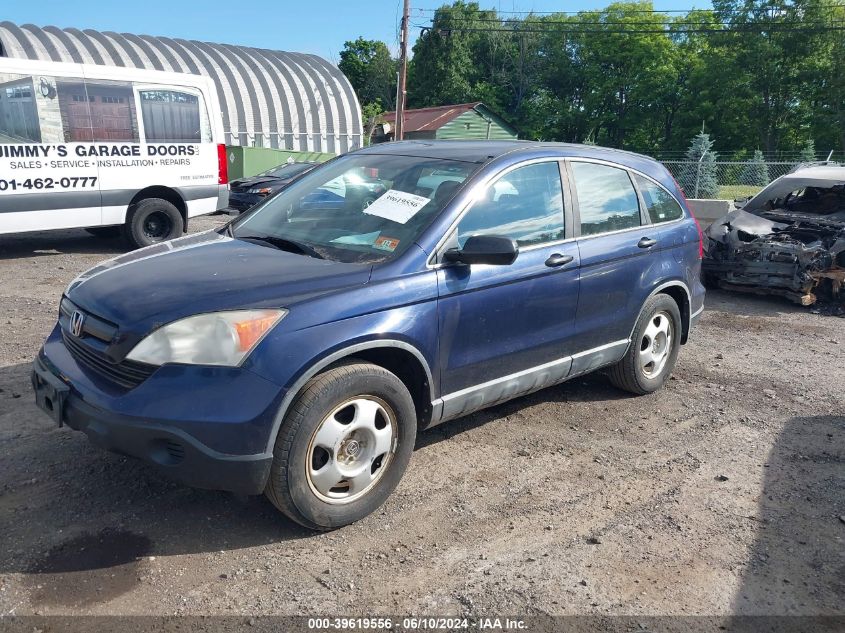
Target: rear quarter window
661, 205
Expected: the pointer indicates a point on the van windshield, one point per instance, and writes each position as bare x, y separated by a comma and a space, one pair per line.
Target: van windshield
360, 208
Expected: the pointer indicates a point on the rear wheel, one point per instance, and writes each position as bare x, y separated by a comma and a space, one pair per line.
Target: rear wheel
343, 446
654, 347
153, 220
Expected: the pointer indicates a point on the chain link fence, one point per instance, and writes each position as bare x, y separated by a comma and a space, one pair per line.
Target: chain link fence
726, 180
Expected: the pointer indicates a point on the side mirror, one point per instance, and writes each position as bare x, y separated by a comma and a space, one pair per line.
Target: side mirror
484, 249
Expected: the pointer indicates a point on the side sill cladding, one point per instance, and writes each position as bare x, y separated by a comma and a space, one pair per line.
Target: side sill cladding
499, 390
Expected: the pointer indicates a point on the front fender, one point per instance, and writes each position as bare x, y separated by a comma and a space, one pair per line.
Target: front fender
292, 358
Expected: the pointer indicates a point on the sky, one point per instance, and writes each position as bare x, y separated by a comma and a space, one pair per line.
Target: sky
319, 27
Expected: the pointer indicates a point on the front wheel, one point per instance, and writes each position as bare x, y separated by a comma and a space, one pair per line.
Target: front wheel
653, 351
153, 220
343, 446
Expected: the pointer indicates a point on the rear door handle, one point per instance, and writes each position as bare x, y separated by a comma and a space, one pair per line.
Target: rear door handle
558, 260
646, 242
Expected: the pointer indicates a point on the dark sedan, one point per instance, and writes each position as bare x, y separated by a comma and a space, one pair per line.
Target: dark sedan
245, 193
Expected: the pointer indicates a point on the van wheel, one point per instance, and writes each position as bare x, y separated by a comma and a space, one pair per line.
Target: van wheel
343, 446
152, 220
653, 351
105, 231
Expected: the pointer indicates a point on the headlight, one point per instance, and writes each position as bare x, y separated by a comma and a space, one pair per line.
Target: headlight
217, 338
262, 191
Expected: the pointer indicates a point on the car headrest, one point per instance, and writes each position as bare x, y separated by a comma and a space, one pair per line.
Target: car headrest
445, 190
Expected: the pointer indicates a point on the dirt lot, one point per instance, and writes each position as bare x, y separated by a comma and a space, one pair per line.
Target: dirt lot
723, 493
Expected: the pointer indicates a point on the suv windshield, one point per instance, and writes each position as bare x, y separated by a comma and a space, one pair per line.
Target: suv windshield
364, 208
287, 170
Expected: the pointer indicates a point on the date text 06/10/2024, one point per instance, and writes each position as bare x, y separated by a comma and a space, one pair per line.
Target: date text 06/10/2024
416, 624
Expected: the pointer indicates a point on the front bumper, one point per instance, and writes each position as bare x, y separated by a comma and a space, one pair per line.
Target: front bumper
198, 450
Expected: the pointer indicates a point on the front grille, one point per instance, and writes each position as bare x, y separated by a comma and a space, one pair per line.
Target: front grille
126, 373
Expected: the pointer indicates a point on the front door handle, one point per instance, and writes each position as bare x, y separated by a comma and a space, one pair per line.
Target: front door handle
646, 242
558, 260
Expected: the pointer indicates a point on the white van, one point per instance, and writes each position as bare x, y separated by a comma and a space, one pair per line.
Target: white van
102, 147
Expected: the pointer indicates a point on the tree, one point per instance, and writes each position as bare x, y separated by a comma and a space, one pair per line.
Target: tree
756, 171
699, 179
626, 69
371, 70
448, 64
775, 61
808, 152
757, 73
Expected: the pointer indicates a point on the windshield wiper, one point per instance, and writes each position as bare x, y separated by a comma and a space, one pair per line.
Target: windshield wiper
283, 244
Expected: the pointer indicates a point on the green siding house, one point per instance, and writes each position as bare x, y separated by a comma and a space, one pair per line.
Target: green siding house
462, 121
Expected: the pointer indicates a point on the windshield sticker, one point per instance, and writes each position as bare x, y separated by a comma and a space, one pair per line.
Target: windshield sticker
397, 206
386, 243
364, 239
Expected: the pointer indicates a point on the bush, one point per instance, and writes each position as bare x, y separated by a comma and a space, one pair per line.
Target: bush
699, 179
808, 152
756, 171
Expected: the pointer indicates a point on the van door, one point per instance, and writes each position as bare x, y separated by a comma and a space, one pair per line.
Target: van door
177, 136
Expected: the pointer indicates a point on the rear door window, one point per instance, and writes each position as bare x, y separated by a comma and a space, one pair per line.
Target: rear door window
661, 205
607, 200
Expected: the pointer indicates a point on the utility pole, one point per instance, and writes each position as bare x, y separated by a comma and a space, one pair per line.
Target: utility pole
403, 73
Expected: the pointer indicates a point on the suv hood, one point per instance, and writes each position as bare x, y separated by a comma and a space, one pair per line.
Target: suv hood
200, 273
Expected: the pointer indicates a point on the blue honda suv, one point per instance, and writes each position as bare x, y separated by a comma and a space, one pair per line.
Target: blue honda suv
299, 350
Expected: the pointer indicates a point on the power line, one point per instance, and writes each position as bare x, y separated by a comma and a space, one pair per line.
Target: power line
834, 5
668, 23
554, 12
669, 29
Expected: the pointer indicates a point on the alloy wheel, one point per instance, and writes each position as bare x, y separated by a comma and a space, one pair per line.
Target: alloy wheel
351, 449
656, 344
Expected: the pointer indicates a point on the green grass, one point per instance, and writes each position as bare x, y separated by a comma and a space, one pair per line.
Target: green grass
732, 192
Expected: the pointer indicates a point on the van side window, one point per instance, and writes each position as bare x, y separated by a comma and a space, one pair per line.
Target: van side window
661, 205
171, 116
606, 198
525, 204
112, 110
18, 110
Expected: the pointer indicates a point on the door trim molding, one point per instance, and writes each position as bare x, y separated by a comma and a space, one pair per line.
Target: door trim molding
480, 396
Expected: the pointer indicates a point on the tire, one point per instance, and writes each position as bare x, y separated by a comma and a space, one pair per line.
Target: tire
634, 373
105, 231
348, 411
152, 220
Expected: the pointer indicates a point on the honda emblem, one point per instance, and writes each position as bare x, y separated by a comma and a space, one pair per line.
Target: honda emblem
77, 319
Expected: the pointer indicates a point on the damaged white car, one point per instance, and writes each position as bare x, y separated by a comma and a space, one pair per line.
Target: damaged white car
787, 240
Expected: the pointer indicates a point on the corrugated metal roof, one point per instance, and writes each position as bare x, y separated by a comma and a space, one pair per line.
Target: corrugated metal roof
287, 100
429, 119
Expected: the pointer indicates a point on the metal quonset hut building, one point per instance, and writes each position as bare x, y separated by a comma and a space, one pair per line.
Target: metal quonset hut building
269, 98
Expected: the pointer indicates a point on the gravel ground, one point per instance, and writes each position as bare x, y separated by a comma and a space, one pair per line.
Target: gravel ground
721, 494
